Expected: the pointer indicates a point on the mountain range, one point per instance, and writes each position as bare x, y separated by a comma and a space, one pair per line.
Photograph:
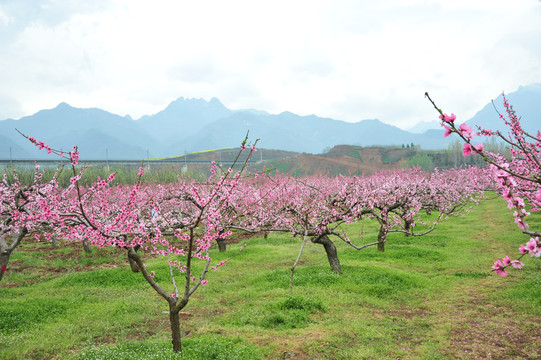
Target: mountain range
189, 125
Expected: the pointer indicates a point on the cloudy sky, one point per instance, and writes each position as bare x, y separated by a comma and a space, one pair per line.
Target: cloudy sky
348, 60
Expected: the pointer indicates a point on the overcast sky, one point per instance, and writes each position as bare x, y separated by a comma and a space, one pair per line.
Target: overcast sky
348, 60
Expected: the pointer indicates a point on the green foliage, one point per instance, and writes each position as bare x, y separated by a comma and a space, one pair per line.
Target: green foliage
305, 275
301, 303
422, 160
381, 282
19, 315
528, 294
293, 312
413, 253
123, 174
282, 167
197, 348
354, 153
474, 275
122, 277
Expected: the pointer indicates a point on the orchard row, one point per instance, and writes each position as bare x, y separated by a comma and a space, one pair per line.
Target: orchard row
181, 221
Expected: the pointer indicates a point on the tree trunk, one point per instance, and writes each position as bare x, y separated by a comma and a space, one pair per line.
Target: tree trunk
174, 308
174, 319
295, 265
330, 249
382, 236
133, 265
86, 247
6, 250
221, 244
407, 226
5, 253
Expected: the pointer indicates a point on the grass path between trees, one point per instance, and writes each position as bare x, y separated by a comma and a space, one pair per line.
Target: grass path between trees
431, 297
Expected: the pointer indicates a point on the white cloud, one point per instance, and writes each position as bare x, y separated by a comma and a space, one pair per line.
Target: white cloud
347, 60
4, 18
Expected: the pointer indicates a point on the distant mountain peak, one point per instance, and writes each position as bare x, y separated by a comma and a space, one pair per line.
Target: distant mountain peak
63, 105
536, 87
183, 102
197, 124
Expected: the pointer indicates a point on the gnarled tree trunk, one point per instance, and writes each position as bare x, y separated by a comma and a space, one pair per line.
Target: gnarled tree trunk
330, 249
221, 244
6, 250
407, 226
382, 236
133, 265
174, 320
5, 253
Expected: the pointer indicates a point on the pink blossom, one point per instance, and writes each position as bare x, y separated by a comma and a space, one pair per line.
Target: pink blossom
517, 264
448, 118
531, 245
466, 131
518, 220
499, 268
448, 130
478, 147
465, 128
74, 156
501, 173
506, 193
204, 282
466, 150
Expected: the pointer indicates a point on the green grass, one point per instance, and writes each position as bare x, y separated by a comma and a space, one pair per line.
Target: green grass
200, 348
430, 297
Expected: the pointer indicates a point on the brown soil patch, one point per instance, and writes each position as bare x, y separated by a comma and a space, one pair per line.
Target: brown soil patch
307, 164
483, 329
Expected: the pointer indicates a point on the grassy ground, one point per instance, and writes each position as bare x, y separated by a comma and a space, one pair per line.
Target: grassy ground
432, 297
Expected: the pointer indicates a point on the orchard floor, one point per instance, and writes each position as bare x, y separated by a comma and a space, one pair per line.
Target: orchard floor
429, 297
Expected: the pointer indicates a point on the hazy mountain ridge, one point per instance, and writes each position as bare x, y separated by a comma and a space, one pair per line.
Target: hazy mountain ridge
188, 125
182, 118
526, 101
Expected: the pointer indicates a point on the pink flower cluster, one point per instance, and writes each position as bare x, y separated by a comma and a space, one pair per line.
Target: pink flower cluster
74, 156
500, 265
518, 178
465, 131
532, 247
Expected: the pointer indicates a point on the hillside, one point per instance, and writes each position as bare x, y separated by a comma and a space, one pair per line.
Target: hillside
229, 155
357, 160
